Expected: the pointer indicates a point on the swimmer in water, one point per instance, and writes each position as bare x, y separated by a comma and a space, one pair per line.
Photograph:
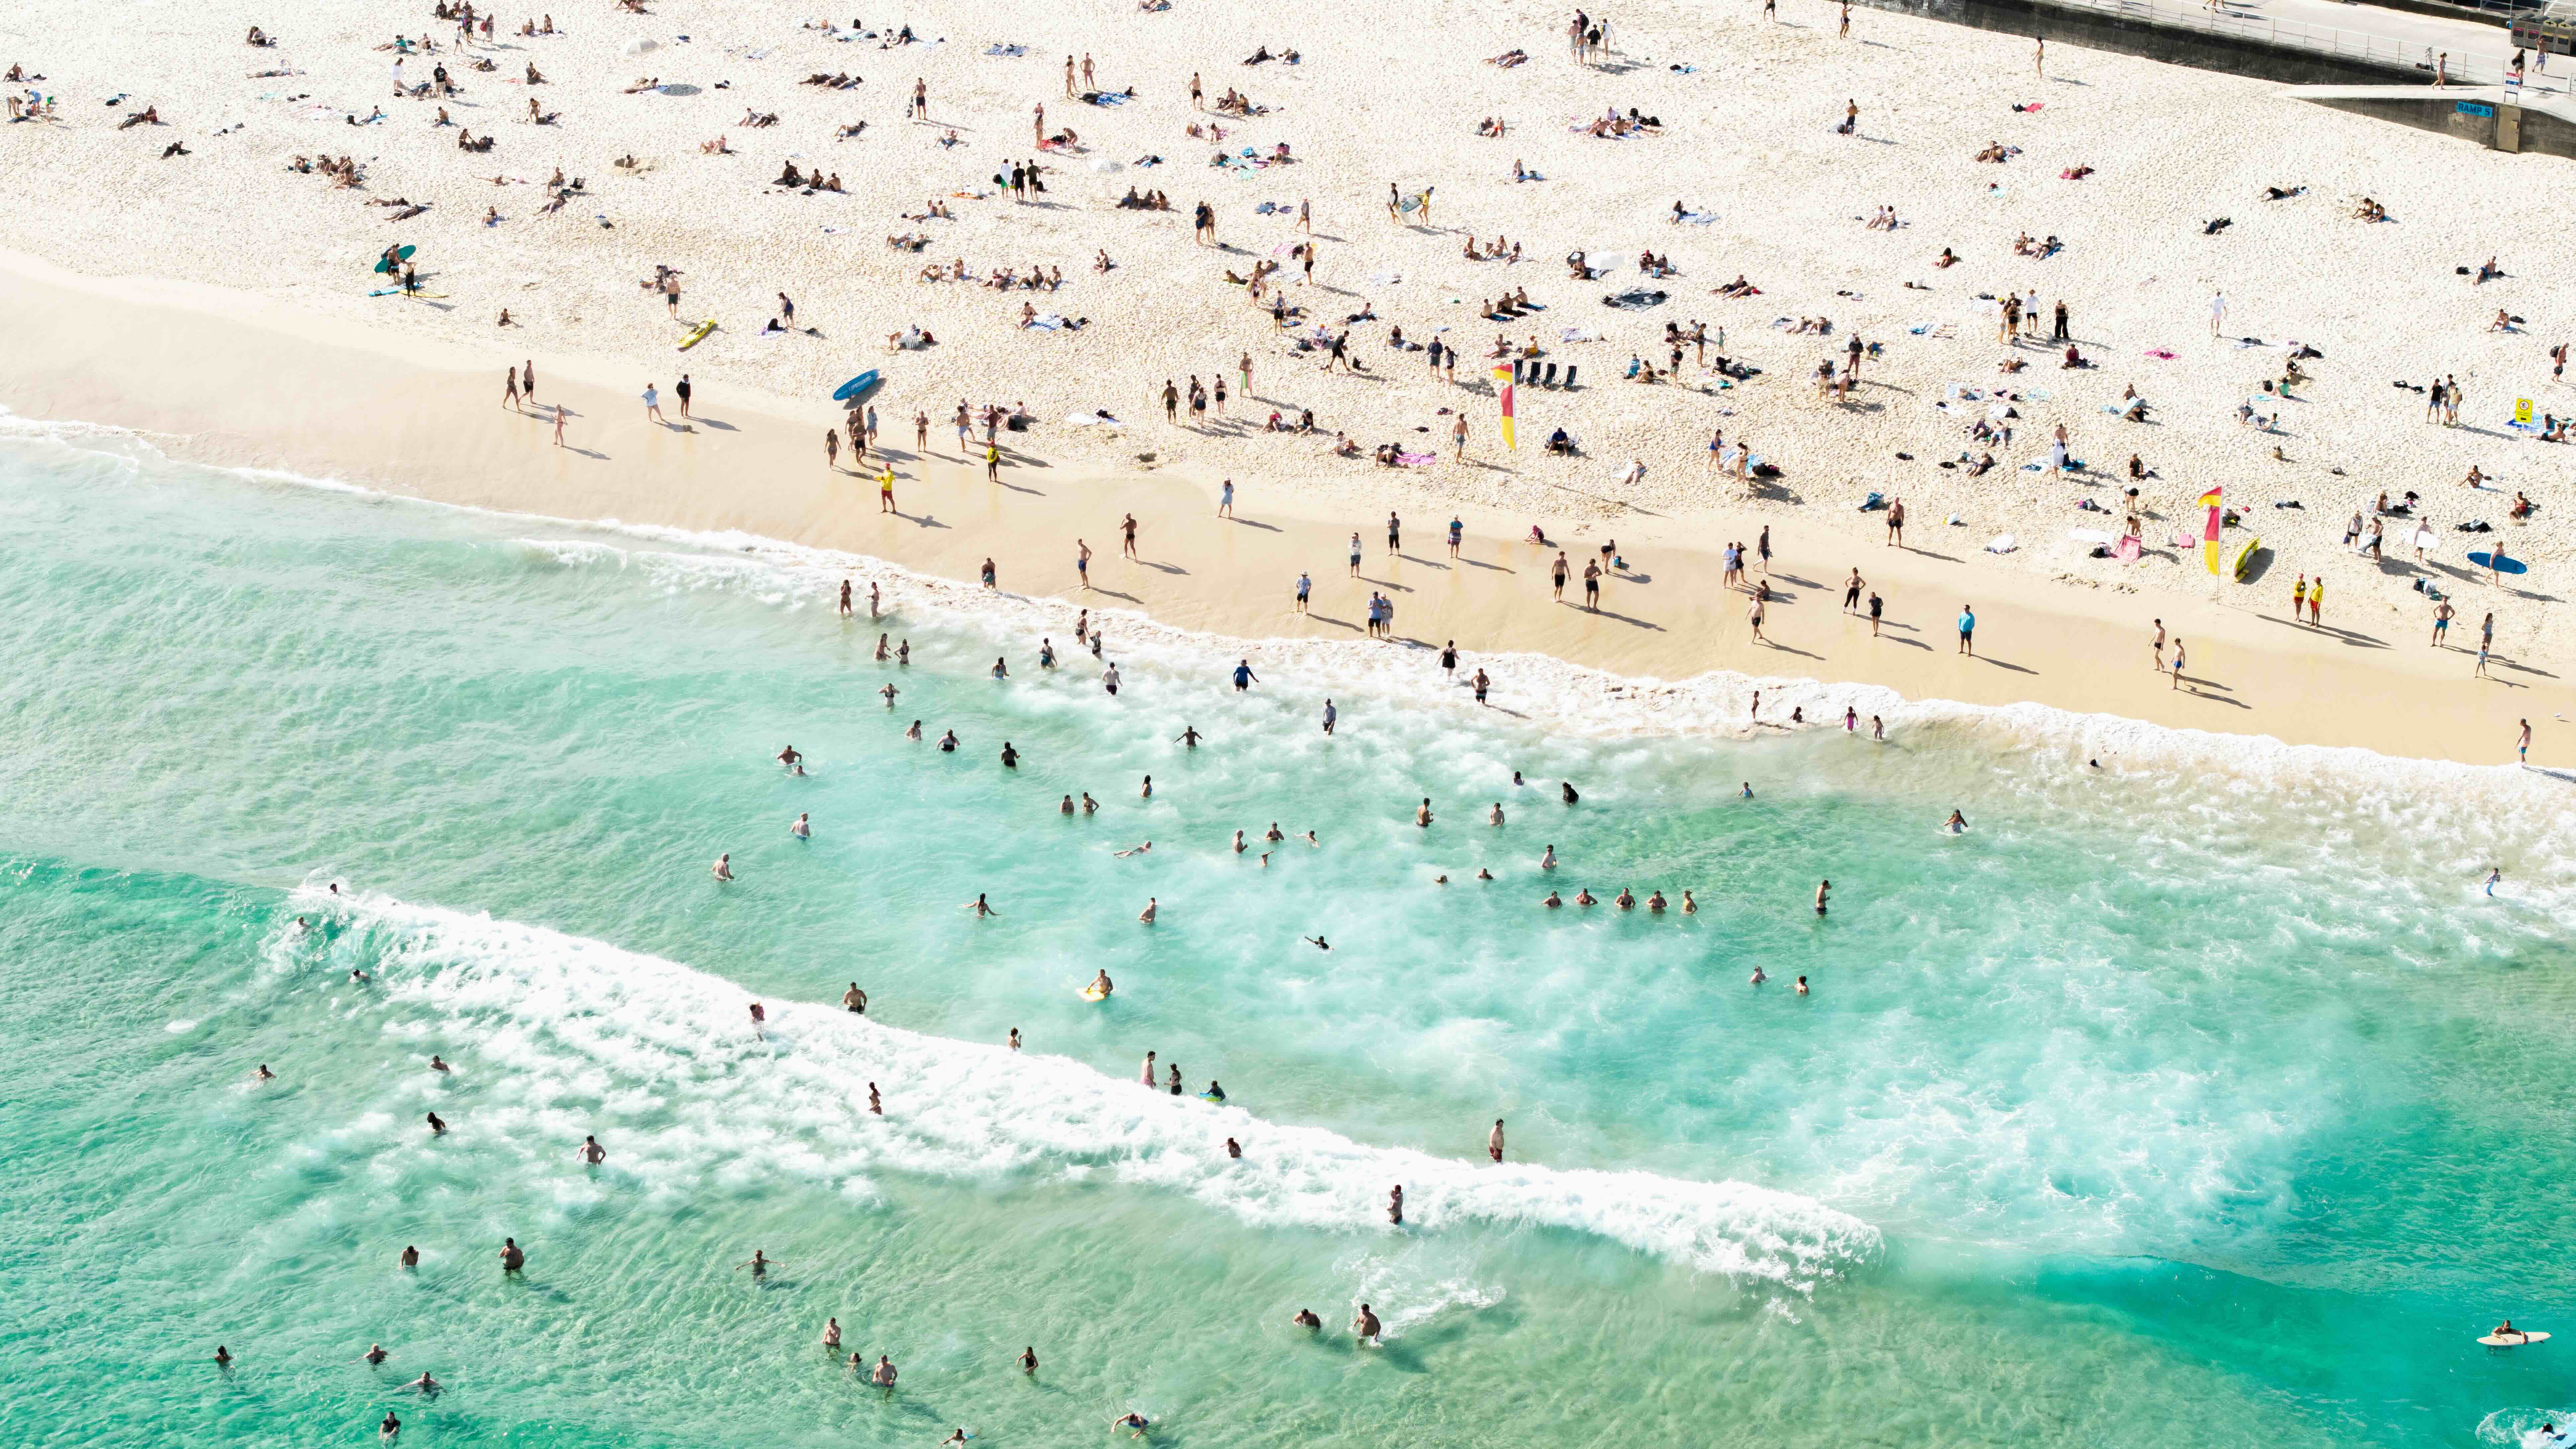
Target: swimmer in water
1010, 756
723, 869
1547, 859
758, 1263
1309, 838
1147, 791
1147, 1076
591, 1152
1014, 1042
1655, 903
2495, 877
1823, 889
1318, 942
1272, 834
1802, 986
1189, 736
790, 758
948, 743
1422, 816
876, 1103
759, 1018
1757, 978
1233, 1149
978, 906
437, 1128
832, 1335
1089, 805
803, 829
1495, 815
1100, 983
262, 1073
375, 1354
1566, 788
882, 651
1214, 1093
883, 1374
391, 1428
1147, 915
1494, 1141
410, 1257
426, 1386
223, 1357
1001, 670
1029, 1359
1689, 907
1626, 899
1066, 808
1238, 842
1131, 1421
889, 692
359, 976
1956, 823
914, 734
854, 1000
1551, 902
1133, 850
1747, 792
1483, 874
1305, 1318
1365, 1326
1583, 896
513, 1257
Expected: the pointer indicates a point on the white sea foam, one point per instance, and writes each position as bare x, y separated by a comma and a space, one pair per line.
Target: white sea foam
573, 1036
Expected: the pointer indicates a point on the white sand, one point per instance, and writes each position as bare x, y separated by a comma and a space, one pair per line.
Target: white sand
1393, 94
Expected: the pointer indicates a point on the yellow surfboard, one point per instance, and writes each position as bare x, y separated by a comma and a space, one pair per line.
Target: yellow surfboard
2245, 557
697, 334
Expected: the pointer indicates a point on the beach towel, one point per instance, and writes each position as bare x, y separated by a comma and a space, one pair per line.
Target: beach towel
1091, 420
2162, 354
997, 48
1699, 218
1636, 299
2002, 543
1386, 279
1048, 320
1417, 460
1577, 334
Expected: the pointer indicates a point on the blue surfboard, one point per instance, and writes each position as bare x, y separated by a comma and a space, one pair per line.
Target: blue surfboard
857, 387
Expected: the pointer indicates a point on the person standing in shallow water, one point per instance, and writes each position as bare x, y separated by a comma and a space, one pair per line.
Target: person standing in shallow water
1494, 1141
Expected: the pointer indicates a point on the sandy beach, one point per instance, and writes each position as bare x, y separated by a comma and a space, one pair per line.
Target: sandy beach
361, 405
221, 297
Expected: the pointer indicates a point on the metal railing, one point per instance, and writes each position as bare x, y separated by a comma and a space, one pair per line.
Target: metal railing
2461, 68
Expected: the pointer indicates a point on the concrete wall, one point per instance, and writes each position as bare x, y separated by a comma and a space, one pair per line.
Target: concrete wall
2544, 134
2096, 31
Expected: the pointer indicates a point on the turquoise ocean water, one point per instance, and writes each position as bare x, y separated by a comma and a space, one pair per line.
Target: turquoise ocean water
2171, 1105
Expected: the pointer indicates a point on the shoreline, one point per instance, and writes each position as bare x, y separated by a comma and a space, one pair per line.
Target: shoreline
332, 399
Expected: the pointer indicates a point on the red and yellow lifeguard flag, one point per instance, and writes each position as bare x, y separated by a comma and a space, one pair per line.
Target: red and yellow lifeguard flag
2209, 530
1503, 390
